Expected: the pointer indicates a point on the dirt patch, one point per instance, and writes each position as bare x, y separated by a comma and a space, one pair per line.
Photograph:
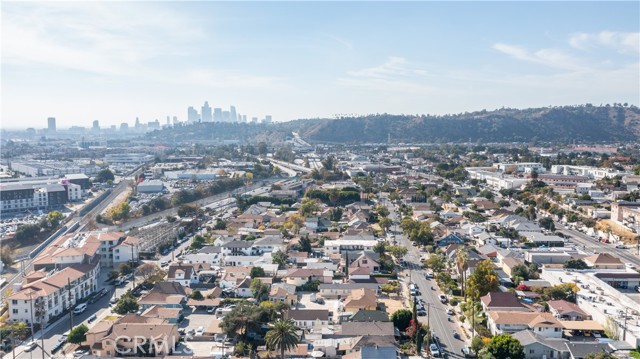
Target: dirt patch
392, 305
625, 235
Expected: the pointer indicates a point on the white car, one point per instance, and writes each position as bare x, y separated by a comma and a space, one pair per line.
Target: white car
30, 346
200, 331
80, 308
621, 246
433, 348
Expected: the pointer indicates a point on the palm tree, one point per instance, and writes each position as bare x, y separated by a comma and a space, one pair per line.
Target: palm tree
462, 256
282, 336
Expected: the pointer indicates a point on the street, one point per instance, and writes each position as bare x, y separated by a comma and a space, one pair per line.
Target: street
437, 317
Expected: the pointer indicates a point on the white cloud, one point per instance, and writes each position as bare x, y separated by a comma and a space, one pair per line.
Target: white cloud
393, 67
546, 57
623, 42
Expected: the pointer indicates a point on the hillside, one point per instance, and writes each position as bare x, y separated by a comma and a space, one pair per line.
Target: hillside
558, 124
586, 124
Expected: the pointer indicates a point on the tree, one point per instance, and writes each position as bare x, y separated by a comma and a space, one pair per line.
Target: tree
309, 206
575, 264
282, 336
150, 272
566, 291
398, 251
197, 295
78, 334
126, 304
483, 280
380, 248
259, 289
54, 218
385, 223
120, 212
335, 214
401, 319
477, 344
505, 346
520, 271
241, 319
257, 272
435, 262
305, 244
104, 176
547, 223
6, 255
280, 258
294, 223
600, 355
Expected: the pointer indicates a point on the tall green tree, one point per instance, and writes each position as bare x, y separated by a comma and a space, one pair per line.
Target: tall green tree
505, 346
78, 334
282, 336
483, 280
401, 319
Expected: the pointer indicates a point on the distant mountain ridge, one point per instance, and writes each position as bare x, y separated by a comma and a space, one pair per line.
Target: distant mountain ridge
554, 124
566, 124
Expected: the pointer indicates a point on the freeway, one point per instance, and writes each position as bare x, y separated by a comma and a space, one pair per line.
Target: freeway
438, 317
592, 244
258, 188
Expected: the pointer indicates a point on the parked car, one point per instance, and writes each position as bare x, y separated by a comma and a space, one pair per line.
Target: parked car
433, 348
621, 246
200, 331
211, 310
468, 353
450, 311
92, 318
113, 300
456, 335
80, 308
58, 346
30, 346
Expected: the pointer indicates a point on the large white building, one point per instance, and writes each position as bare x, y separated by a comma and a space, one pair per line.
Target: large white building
587, 171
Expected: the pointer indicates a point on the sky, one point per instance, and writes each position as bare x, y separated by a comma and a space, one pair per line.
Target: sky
115, 61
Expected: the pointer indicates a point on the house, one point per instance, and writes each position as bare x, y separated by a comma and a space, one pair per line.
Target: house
565, 310
544, 324
130, 334
370, 316
171, 315
540, 347
581, 350
604, 261
453, 238
282, 292
232, 276
620, 280
509, 263
503, 301
368, 328
239, 248
302, 276
309, 318
164, 294
342, 290
186, 275
360, 273
366, 259
361, 299
270, 244
243, 290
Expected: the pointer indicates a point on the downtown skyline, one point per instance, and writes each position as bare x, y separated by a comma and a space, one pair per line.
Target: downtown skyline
113, 62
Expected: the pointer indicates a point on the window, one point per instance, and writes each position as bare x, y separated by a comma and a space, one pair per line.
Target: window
14, 302
15, 311
531, 351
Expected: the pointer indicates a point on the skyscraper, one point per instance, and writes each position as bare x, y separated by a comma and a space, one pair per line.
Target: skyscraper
192, 115
96, 125
217, 115
226, 116
51, 124
233, 115
268, 120
206, 113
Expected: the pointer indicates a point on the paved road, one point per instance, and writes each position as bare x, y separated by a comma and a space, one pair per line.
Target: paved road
591, 244
438, 317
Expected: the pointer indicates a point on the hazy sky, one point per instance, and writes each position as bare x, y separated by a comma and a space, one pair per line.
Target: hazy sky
113, 61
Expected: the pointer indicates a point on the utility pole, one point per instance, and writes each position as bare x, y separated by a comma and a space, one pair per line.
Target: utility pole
70, 310
624, 332
31, 307
41, 306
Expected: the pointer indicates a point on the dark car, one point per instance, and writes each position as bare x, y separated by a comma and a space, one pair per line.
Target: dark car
93, 318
